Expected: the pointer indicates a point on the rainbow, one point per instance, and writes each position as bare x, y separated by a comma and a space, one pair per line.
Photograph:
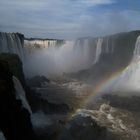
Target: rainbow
106, 84
110, 81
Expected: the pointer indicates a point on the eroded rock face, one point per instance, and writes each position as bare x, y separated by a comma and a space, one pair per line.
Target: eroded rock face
37, 103
14, 119
37, 81
15, 65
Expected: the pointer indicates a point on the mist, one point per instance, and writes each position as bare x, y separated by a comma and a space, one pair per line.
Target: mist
54, 61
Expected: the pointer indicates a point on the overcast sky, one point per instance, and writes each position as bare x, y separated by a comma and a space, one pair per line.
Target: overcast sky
69, 18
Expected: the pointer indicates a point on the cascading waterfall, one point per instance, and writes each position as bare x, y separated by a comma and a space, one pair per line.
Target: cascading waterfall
82, 49
98, 50
40, 43
136, 54
135, 68
89, 49
20, 94
67, 58
108, 46
71, 56
11, 43
129, 79
103, 46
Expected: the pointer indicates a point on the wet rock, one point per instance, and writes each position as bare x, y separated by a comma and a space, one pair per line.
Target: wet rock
37, 81
15, 120
15, 65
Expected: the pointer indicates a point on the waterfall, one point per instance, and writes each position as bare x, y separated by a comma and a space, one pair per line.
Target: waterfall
83, 49
86, 50
108, 45
40, 43
20, 94
98, 50
136, 53
129, 79
135, 68
11, 43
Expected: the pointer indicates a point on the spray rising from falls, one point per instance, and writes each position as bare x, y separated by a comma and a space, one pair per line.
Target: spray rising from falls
71, 56
54, 60
36, 43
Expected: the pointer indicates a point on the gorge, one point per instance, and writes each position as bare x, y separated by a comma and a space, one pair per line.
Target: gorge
66, 89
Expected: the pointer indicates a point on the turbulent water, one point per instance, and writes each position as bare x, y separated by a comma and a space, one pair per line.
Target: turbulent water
117, 121
46, 57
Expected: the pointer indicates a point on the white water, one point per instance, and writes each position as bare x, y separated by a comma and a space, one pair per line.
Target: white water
98, 50
20, 94
129, 79
134, 79
113, 119
40, 43
11, 43
109, 45
136, 54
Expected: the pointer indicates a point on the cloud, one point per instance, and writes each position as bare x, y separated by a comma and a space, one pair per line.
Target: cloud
97, 2
65, 18
110, 22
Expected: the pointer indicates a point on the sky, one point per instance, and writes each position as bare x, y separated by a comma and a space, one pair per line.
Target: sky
69, 19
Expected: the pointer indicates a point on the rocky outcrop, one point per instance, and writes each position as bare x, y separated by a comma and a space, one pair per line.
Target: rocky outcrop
37, 81
37, 103
15, 120
15, 65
